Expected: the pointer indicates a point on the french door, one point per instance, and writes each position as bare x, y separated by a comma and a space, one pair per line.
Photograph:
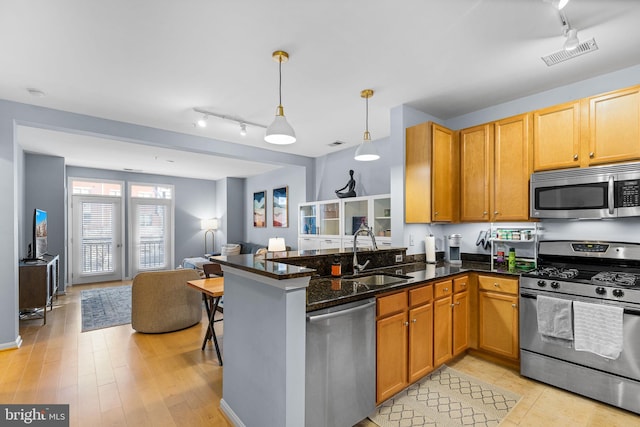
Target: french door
151, 228
96, 239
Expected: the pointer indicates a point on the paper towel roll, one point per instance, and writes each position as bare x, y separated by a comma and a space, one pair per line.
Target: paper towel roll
430, 248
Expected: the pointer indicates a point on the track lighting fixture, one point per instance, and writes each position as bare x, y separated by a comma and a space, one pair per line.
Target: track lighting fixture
280, 131
243, 123
558, 4
366, 152
569, 32
572, 41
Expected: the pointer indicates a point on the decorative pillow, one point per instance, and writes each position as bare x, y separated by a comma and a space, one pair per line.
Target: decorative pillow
230, 249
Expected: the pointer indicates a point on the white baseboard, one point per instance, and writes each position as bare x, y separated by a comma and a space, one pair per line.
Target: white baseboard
230, 414
11, 345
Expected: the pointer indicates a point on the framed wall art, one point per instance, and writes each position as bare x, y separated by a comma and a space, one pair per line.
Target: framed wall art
281, 207
260, 209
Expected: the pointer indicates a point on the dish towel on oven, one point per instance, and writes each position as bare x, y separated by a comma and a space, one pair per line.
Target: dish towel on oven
554, 320
598, 329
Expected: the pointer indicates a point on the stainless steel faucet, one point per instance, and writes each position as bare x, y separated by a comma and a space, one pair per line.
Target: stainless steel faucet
362, 230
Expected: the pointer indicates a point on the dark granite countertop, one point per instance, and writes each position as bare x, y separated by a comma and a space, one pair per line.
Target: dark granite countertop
264, 266
324, 292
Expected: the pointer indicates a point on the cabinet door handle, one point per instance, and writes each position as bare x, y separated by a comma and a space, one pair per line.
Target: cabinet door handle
463, 284
453, 305
514, 305
406, 323
414, 320
457, 302
446, 289
591, 154
484, 213
497, 285
575, 157
435, 213
496, 212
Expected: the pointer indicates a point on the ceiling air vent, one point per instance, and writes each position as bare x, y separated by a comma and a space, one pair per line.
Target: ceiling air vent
563, 55
336, 143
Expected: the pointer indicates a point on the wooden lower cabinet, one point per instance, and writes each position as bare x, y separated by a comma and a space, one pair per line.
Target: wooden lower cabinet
392, 350
451, 319
498, 315
420, 341
442, 330
461, 322
404, 339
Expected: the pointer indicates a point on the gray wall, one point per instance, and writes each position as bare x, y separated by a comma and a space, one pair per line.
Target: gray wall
294, 178
44, 188
195, 199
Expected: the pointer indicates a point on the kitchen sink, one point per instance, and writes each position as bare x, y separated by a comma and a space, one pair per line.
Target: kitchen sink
376, 279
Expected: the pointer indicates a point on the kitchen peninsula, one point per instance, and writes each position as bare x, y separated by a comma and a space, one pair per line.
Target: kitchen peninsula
266, 300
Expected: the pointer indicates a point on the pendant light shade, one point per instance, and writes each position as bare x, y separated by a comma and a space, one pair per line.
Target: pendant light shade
280, 131
366, 152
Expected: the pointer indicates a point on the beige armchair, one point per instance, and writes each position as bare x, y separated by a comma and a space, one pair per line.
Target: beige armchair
162, 302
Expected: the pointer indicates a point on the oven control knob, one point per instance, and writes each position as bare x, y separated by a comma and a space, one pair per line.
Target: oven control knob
618, 293
555, 285
542, 283
600, 290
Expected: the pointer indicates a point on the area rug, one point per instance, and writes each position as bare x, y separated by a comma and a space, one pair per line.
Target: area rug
446, 397
105, 307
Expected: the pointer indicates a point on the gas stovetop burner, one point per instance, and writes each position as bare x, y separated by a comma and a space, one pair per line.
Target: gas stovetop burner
555, 272
613, 278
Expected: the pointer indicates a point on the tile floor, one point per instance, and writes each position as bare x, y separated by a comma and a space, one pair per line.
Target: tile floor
541, 405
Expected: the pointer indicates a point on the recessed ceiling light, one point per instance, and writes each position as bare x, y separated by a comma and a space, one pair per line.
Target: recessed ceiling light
35, 92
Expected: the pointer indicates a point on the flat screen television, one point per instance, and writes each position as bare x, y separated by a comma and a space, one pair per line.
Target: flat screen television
39, 243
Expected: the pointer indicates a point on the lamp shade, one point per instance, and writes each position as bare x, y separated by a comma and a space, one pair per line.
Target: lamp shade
366, 152
276, 244
209, 224
280, 131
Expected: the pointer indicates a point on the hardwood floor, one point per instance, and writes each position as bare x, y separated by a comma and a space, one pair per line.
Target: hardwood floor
118, 377
113, 376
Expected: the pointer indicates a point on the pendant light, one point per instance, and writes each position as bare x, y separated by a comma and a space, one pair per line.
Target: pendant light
366, 152
280, 131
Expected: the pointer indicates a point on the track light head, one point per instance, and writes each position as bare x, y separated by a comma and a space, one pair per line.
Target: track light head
202, 122
243, 129
572, 41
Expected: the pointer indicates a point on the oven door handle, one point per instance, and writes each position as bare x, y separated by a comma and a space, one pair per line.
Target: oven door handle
525, 295
610, 195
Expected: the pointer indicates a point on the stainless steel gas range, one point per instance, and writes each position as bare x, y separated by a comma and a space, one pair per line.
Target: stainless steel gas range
580, 320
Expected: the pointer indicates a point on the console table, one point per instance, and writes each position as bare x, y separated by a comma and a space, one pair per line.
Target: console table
39, 283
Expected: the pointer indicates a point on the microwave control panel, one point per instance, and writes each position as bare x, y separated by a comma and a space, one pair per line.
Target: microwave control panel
628, 193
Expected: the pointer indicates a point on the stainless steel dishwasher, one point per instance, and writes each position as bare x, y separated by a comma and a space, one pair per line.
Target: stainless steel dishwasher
340, 364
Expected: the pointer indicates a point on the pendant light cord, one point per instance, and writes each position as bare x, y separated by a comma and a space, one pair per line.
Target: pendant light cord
366, 120
280, 81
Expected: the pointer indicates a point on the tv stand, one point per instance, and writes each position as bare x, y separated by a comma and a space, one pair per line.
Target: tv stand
39, 279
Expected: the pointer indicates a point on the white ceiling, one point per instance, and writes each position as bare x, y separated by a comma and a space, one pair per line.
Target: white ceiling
151, 62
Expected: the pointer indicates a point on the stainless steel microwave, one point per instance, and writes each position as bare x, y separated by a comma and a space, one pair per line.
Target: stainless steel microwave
594, 192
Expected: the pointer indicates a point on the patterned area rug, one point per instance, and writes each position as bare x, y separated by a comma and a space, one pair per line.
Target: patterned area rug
105, 307
446, 397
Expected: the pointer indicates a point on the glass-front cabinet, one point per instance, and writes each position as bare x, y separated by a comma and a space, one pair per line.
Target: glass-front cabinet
329, 224
307, 219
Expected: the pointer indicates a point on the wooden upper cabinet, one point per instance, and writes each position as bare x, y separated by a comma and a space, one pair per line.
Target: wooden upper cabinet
476, 164
431, 174
614, 127
417, 196
556, 137
444, 175
512, 169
